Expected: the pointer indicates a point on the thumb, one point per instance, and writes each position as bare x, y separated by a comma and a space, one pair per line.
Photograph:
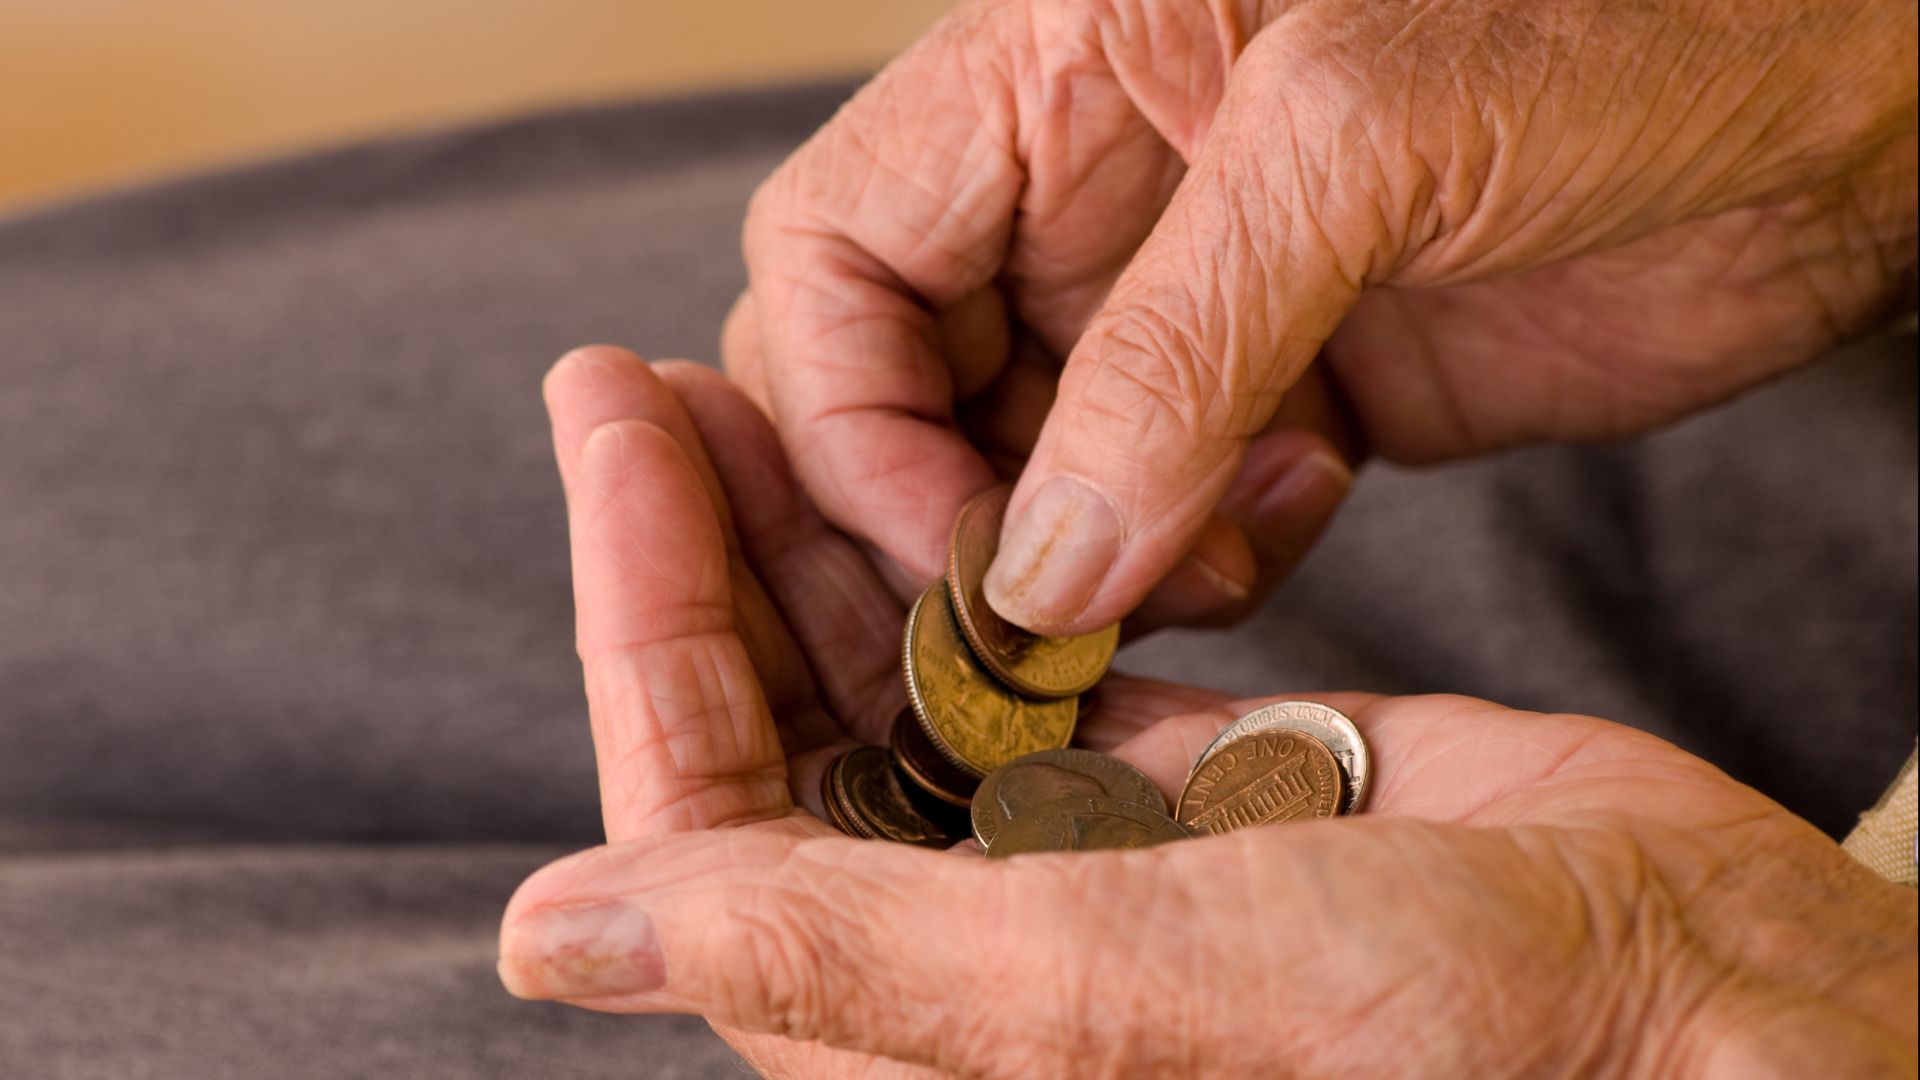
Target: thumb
1262, 251
912, 955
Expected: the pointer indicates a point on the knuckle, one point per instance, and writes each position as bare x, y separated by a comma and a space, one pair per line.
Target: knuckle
768, 210
1359, 179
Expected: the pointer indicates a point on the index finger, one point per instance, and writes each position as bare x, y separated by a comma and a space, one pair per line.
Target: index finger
901, 206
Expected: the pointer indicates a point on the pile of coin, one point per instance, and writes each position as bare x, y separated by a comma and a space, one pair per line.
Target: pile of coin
982, 746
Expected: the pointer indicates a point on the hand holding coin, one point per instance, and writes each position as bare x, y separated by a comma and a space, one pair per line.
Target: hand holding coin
992, 707
1528, 891
735, 645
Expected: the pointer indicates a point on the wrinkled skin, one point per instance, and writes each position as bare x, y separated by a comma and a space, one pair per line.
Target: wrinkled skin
1528, 895
1199, 256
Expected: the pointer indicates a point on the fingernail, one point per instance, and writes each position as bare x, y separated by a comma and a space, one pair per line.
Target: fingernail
582, 950
1305, 495
1054, 555
1194, 592
1226, 586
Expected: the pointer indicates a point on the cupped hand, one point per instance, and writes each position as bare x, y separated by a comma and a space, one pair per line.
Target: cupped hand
1529, 894
732, 641
1176, 263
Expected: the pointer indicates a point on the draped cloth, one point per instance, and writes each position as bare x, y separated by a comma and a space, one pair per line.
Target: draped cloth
288, 699
1884, 839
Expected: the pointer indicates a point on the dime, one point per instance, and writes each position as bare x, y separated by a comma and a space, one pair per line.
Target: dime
971, 721
1050, 776
1038, 666
1323, 722
865, 798
1086, 823
1265, 777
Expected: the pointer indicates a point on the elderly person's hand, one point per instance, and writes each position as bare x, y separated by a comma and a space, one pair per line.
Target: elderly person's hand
1529, 895
1262, 235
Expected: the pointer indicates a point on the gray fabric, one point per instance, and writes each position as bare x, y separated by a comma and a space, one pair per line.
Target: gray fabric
287, 697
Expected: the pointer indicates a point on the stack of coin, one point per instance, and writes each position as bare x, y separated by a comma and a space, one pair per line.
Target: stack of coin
992, 708
865, 798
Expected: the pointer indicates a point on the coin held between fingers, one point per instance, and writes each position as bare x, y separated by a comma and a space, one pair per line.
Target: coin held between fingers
1032, 664
1056, 554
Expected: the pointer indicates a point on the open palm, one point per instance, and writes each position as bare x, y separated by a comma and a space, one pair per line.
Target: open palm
1530, 893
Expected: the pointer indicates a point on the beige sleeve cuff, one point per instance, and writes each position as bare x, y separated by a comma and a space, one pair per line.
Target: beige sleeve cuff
1884, 839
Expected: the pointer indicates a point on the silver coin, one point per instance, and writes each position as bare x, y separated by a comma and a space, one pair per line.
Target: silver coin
1323, 722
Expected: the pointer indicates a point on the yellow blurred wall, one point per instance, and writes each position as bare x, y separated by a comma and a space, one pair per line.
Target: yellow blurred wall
103, 92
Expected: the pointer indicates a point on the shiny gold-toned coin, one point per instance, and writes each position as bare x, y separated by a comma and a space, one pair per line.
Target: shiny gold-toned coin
1050, 776
970, 720
1037, 666
1085, 823
866, 798
1270, 776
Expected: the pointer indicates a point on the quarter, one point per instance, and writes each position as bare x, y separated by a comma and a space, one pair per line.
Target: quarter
1086, 823
1050, 776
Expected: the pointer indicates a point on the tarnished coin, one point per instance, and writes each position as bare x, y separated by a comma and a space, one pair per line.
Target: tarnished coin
865, 798
836, 816
1050, 776
1271, 776
1038, 666
1323, 722
972, 721
1086, 823
929, 771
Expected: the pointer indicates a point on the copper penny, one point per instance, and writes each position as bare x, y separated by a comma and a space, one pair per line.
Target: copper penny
1323, 722
865, 795
1035, 665
925, 767
830, 799
970, 720
1085, 823
1050, 776
1265, 777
